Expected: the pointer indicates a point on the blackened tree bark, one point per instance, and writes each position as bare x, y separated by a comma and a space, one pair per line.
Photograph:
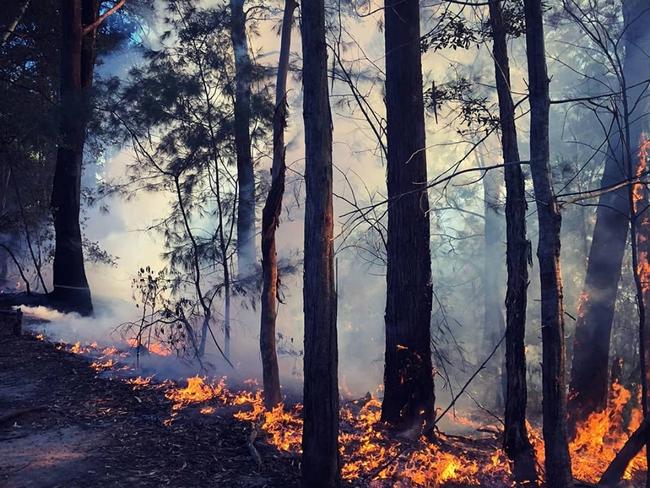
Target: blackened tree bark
557, 460
640, 240
80, 21
408, 378
516, 442
71, 291
245, 170
589, 369
320, 459
271, 221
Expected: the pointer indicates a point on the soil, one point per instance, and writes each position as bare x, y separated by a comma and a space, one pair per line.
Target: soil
64, 425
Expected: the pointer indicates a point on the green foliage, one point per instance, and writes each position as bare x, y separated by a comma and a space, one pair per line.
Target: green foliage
457, 29
29, 113
176, 112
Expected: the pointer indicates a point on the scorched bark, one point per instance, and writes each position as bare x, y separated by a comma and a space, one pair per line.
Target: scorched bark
271, 221
408, 378
71, 290
557, 460
320, 459
516, 442
590, 364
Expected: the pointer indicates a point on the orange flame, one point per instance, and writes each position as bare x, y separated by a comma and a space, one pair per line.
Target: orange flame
370, 454
366, 451
599, 438
153, 347
602, 435
640, 203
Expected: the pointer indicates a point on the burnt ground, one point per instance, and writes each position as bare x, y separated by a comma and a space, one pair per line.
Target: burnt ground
63, 425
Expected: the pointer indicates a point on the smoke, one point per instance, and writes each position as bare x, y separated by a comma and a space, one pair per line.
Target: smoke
457, 242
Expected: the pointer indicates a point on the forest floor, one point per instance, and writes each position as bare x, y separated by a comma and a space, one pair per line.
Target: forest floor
64, 425
64, 422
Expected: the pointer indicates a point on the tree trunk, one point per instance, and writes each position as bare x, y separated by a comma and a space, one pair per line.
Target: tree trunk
494, 325
616, 469
226, 318
245, 171
320, 459
589, 370
516, 442
557, 462
640, 238
408, 379
4, 264
271, 221
71, 291
5, 175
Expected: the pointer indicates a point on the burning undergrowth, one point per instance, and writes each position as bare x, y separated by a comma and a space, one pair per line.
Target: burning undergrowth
603, 434
370, 454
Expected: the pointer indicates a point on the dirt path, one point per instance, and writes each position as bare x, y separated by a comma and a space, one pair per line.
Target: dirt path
72, 428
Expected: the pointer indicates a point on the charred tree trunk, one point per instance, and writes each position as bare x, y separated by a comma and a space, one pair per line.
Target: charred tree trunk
616, 469
557, 461
589, 370
516, 442
320, 458
71, 291
245, 170
271, 221
640, 238
408, 378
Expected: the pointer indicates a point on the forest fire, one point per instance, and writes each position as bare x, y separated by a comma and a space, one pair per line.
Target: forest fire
196, 391
367, 451
642, 218
370, 453
139, 382
603, 434
152, 347
186, 193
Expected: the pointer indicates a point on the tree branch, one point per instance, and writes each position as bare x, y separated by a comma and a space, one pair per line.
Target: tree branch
100, 20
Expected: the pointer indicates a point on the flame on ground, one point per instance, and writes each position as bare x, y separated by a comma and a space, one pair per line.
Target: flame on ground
600, 437
152, 347
370, 454
603, 434
139, 382
367, 452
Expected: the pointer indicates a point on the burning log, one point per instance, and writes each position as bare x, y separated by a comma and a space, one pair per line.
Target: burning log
11, 322
616, 469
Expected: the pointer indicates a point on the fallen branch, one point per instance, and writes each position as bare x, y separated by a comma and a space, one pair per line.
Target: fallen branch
616, 469
13, 414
